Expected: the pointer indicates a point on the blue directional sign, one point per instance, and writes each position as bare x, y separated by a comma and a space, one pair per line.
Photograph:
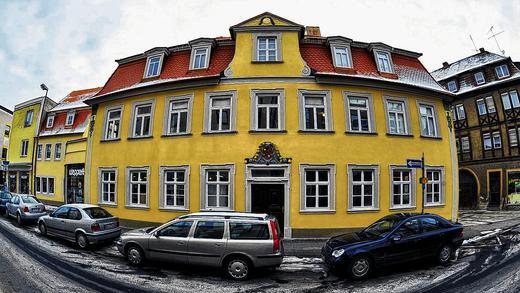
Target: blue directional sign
410, 163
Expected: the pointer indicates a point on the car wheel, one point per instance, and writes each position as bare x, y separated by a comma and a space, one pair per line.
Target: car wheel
237, 268
19, 219
444, 254
135, 255
43, 228
360, 267
81, 240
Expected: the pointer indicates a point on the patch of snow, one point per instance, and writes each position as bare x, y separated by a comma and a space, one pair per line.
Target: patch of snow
466, 64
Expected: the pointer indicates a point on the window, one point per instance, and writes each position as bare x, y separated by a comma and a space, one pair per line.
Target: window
39, 150
479, 78
217, 187
461, 113
200, 58
268, 110
510, 99
74, 214
363, 187
209, 230
24, 148
38, 185
113, 123
403, 187
28, 118
108, 185
513, 137
137, 190
317, 187
70, 118
384, 62
174, 191
44, 185
315, 114
179, 115
465, 144
48, 151
4, 153
153, 66
430, 224
359, 111
50, 121
142, 122
457, 144
342, 57
488, 145
396, 116
502, 71
61, 213
490, 103
57, 151
179, 229
492, 141
7, 131
409, 228
497, 141
435, 186
248, 231
486, 106
220, 112
428, 118
452, 86
267, 49
481, 107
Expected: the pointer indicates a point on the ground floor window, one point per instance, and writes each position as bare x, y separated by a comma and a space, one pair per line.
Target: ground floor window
137, 189
435, 186
217, 186
363, 185
174, 187
45, 185
317, 187
108, 185
513, 187
402, 187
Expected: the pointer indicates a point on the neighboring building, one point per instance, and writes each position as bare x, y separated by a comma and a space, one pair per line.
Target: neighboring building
24, 136
314, 130
6, 117
486, 114
62, 148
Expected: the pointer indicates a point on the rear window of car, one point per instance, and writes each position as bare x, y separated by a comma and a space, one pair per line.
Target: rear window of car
249, 231
97, 213
30, 199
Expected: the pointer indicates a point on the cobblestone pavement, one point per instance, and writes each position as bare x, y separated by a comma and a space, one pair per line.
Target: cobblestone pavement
484, 217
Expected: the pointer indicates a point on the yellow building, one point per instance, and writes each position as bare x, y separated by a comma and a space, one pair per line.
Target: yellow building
23, 138
61, 150
314, 130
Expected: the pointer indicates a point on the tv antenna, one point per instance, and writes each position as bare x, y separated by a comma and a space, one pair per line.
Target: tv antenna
474, 46
494, 36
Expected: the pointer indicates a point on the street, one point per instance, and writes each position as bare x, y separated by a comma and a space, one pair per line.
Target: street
30, 262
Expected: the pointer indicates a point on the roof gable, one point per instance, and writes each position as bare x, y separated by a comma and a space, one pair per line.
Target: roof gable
472, 62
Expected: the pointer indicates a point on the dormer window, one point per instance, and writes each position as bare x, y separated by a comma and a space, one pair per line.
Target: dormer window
502, 71
153, 66
200, 58
384, 62
452, 86
50, 121
342, 57
267, 48
479, 78
70, 118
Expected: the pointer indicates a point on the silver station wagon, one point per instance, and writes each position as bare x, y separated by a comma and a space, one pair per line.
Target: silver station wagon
84, 224
235, 242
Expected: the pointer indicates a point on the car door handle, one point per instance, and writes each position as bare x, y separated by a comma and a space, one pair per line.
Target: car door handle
180, 243
62, 221
218, 244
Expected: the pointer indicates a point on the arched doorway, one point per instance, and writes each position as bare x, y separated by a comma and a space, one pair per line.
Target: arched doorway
468, 190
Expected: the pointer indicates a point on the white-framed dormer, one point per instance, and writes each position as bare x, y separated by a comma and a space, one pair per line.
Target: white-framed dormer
50, 121
200, 53
382, 57
340, 52
71, 115
154, 62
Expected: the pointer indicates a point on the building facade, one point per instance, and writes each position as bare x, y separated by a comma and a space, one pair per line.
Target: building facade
24, 137
314, 130
61, 150
486, 114
6, 117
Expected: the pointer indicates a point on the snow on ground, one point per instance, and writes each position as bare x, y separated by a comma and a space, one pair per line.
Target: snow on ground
472, 218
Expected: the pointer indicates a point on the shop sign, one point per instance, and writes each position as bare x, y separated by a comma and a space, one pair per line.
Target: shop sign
77, 172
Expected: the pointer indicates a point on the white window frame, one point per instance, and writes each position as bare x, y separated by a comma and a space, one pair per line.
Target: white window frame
348, 53
162, 187
507, 100
194, 54
502, 71
208, 97
148, 64
412, 190
452, 86
39, 185
497, 139
513, 132
405, 112
479, 78
204, 169
107, 120
255, 94
481, 103
101, 182
134, 116
331, 183
57, 155
436, 129
29, 116
188, 99
375, 187
370, 108
49, 147
459, 108
39, 152
69, 115
390, 62
278, 45
128, 183
486, 136
50, 121
442, 187
462, 143
326, 95
490, 104
24, 149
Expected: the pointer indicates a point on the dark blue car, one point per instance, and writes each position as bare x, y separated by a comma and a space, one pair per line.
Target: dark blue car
5, 196
393, 239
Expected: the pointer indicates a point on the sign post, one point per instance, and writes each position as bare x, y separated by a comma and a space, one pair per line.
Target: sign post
416, 164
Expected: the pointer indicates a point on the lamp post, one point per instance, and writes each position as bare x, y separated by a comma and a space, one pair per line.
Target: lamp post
35, 144
44, 88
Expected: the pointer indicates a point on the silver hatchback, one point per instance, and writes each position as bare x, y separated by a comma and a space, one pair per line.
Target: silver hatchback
25, 208
235, 242
84, 224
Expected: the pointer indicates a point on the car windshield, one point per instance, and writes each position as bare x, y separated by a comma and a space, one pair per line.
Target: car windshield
30, 199
380, 228
5, 195
97, 213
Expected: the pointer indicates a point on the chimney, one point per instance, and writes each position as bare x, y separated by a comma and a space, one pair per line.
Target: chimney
313, 31
445, 64
482, 50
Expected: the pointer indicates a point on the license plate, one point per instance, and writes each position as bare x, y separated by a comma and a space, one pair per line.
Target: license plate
110, 226
36, 210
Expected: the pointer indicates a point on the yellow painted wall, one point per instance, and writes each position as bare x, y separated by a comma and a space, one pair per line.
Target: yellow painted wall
19, 132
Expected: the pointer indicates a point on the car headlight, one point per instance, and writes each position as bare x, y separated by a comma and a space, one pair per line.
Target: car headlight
338, 253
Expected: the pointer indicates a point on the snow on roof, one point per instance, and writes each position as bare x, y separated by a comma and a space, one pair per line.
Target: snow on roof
466, 64
465, 87
75, 99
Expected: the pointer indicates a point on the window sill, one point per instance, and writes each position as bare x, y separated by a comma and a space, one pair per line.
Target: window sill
437, 205
177, 135
139, 137
403, 208
262, 62
360, 132
431, 137
137, 207
267, 131
317, 211
217, 210
174, 209
110, 140
399, 135
369, 210
106, 204
317, 131
220, 132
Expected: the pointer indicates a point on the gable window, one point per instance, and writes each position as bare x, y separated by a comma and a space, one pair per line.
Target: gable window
217, 187
384, 62
57, 151
220, 112
28, 118
435, 186
317, 187
174, 187
70, 118
200, 58
479, 78
268, 110
48, 151
113, 123
460, 112
465, 144
428, 117
342, 57
359, 110
137, 187
513, 136
502, 71
452, 86
267, 50
108, 185
39, 151
153, 66
402, 187
50, 121
315, 113
142, 120
396, 116
363, 187
179, 115
510, 100
24, 148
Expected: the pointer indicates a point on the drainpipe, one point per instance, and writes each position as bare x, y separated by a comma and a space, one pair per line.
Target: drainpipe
35, 144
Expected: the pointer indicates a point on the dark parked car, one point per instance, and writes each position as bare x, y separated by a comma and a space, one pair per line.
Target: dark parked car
5, 196
393, 239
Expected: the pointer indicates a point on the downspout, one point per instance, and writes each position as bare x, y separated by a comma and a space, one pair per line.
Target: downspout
88, 158
454, 166
35, 144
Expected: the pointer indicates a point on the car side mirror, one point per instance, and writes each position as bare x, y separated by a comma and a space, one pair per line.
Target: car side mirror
156, 235
395, 238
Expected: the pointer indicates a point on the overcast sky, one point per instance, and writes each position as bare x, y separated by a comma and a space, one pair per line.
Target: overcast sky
72, 45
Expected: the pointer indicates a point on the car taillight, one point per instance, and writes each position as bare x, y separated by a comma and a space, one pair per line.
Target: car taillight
25, 209
276, 238
95, 228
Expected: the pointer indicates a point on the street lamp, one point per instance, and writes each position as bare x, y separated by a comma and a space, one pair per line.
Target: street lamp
45, 88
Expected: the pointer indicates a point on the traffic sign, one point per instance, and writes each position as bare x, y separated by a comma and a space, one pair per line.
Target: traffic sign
424, 180
5, 163
411, 163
